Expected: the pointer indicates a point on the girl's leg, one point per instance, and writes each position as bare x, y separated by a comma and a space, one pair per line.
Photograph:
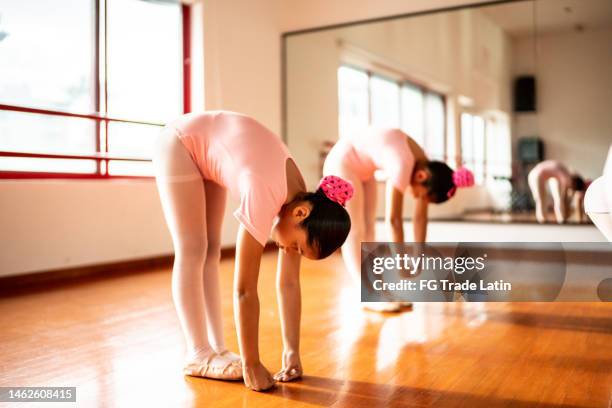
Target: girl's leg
216, 197
351, 249
183, 201
369, 205
370, 197
580, 206
538, 191
184, 205
361, 209
559, 191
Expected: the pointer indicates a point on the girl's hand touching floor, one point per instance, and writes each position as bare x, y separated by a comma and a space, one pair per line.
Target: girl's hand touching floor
257, 377
292, 368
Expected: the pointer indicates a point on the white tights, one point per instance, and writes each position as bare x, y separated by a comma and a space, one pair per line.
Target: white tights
193, 208
559, 193
362, 210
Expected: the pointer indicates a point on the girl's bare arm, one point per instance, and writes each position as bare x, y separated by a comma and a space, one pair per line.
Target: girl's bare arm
393, 216
419, 220
246, 310
290, 308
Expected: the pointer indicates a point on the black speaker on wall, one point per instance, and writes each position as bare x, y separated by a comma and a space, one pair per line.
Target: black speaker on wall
525, 94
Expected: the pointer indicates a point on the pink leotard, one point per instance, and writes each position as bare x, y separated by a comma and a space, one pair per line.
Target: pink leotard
375, 149
240, 154
551, 168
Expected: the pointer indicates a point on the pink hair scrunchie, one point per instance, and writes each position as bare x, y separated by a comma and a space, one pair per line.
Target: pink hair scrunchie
336, 189
462, 177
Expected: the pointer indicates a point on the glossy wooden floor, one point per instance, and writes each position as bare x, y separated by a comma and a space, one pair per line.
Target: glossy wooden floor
118, 341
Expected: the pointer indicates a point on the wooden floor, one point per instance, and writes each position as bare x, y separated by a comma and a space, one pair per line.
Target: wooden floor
118, 341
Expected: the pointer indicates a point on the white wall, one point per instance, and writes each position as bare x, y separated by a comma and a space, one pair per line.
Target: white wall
48, 225
574, 96
51, 224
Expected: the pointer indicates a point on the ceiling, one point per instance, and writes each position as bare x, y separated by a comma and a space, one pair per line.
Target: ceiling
551, 15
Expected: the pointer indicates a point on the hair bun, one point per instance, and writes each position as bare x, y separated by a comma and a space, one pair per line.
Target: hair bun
463, 177
336, 189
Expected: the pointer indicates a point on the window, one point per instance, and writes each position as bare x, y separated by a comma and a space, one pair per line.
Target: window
499, 150
467, 141
486, 147
434, 126
46, 54
478, 135
413, 113
81, 90
371, 99
353, 100
384, 102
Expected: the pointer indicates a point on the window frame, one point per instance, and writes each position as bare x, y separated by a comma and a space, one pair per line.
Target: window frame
490, 121
102, 157
401, 82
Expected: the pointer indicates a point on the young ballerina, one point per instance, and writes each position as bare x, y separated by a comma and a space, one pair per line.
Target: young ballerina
405, 164
598, 200
197, 159
564, 186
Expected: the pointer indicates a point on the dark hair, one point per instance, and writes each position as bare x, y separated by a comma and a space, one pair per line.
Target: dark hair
578, 183
327, 225
440, 181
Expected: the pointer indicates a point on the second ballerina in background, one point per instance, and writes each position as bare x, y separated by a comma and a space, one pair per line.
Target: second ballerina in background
357, 157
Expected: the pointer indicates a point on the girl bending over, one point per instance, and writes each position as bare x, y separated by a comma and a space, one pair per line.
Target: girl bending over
406, 167
198, 159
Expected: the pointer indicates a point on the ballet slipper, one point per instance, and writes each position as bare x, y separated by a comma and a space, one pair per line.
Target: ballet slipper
233, 357
215, 366
382, 307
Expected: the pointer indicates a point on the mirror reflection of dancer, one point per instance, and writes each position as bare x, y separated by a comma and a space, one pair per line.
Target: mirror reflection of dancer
356, 158
198, 158
598, 200
564, 187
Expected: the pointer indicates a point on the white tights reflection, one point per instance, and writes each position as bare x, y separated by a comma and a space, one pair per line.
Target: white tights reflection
425, 323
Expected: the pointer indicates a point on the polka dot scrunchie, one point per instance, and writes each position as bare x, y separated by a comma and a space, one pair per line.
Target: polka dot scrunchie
336, 189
